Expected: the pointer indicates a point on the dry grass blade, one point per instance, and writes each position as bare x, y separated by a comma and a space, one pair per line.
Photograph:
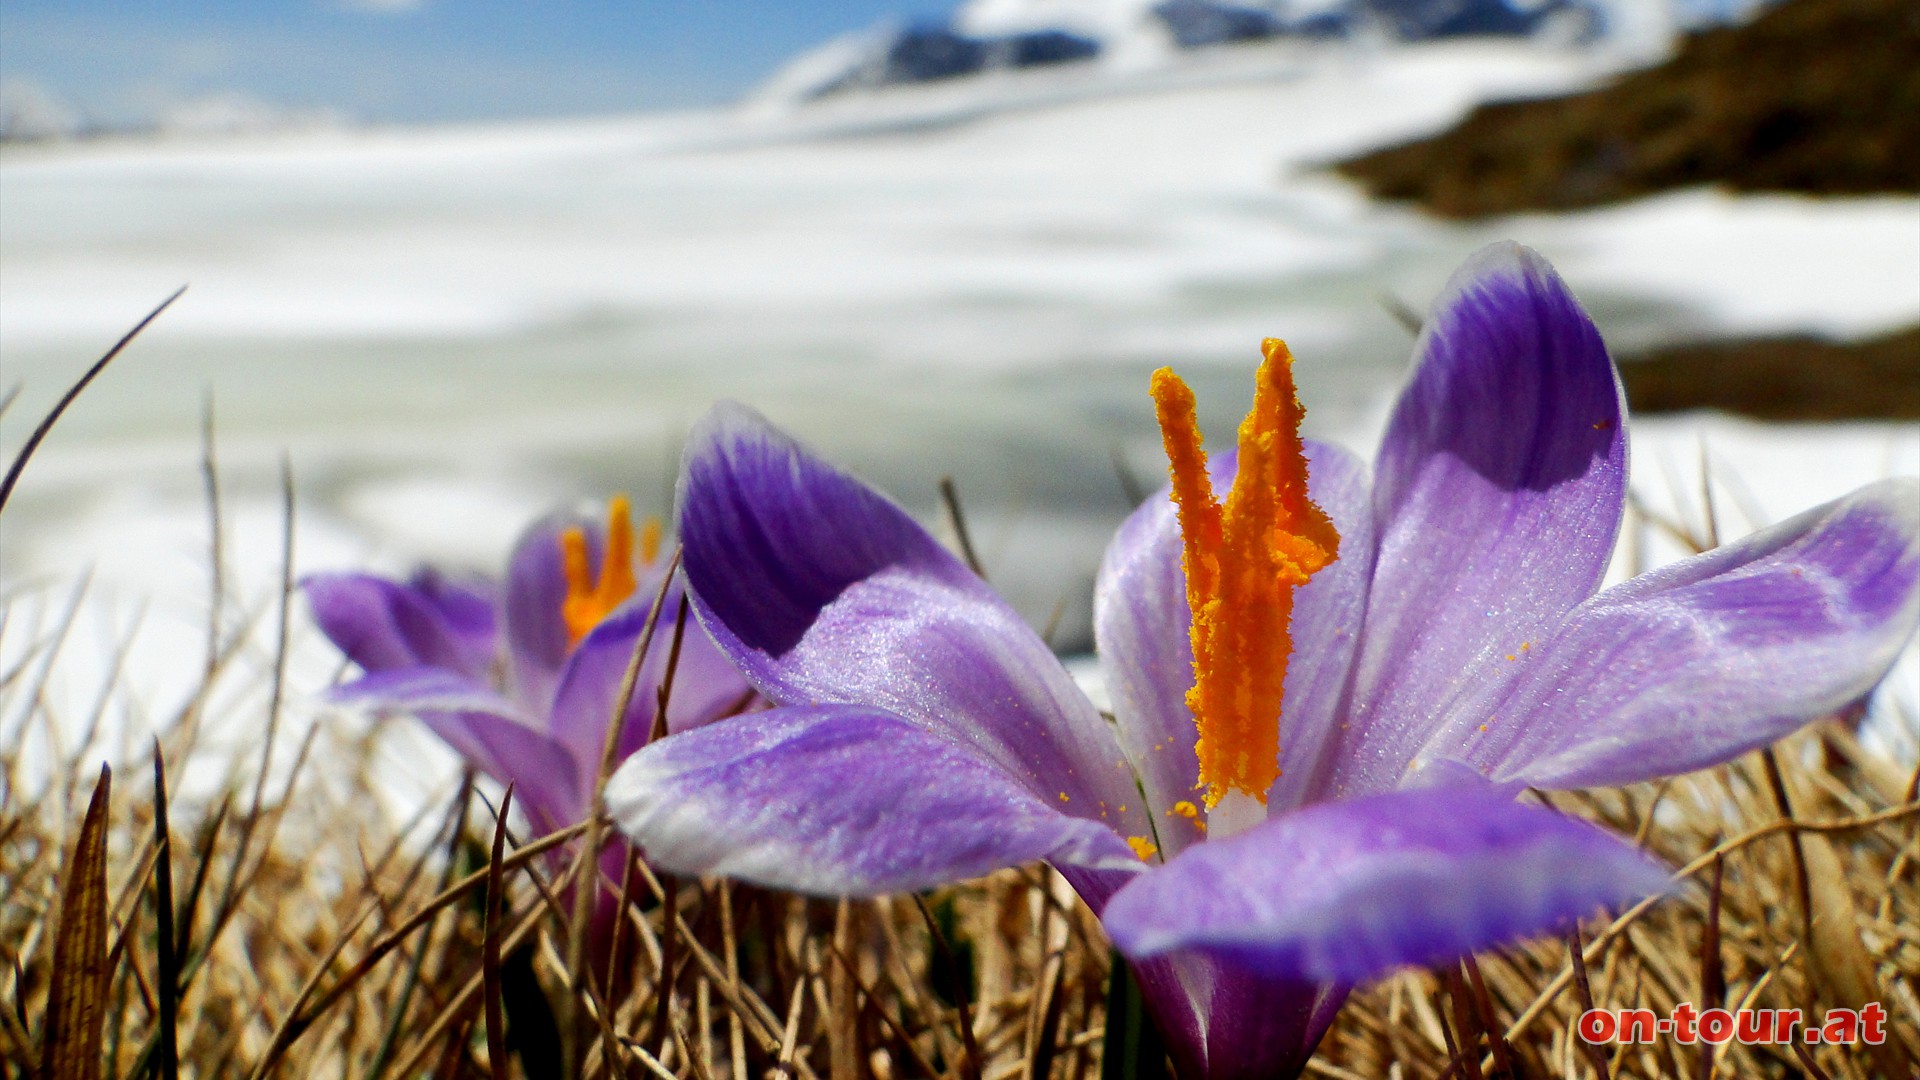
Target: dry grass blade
1466, 1023
167, 960
950, 497
77, 997
53, 416
1840, 964
584, 884
216, 545
490, 945
1583, 992
970, 1061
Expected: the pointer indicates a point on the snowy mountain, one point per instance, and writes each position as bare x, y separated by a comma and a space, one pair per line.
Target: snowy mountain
1005, 35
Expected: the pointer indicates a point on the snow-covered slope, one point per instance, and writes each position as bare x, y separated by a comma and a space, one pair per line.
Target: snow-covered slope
452, 331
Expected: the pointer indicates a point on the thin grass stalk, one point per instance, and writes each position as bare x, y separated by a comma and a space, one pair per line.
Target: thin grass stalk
167, 961
950, 498
216, 545
578, 973
1577, 960
53, 416
496, 902
970, 1048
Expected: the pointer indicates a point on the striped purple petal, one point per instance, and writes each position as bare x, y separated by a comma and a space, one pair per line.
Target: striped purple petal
840, 800
1499, 490
381, 624
1697, 662
1341, 892
823, 591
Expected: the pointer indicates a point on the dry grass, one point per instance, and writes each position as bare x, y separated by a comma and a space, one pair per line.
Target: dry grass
313, 940
289, 927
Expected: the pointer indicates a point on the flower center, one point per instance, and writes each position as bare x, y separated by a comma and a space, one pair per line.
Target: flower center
1243, 561
590, 599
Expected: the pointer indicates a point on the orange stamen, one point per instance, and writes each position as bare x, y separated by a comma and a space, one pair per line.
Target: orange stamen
589, 600
1243, 562
649, 540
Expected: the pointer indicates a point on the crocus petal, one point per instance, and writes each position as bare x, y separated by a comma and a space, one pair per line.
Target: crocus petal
1142, 621
1697, 662
536, 587
1141, 625
1325, 628
486, 730
1499, 490
1261, 1027
423, 687
1341, 892
705, 685
382, 625
470, 609
840, 800
823, 591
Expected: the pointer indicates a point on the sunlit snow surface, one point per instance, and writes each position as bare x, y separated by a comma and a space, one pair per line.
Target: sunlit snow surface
449, 332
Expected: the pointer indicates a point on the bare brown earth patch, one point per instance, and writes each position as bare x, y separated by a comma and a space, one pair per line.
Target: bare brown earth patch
1784, 378
1815, 96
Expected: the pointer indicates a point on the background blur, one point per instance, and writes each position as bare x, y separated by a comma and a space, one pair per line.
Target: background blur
463, 261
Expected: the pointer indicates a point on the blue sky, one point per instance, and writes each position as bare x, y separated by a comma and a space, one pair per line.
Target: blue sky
119, 61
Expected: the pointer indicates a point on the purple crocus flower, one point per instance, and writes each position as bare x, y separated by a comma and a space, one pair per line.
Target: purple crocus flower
522, 681
1324, 788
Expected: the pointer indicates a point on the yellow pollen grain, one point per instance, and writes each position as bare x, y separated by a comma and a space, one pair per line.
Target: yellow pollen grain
1185, 809
1063, 797
588, 599
1143, 848
1243, 560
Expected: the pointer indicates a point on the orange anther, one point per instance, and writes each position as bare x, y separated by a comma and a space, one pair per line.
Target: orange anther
1243, 561
590, 600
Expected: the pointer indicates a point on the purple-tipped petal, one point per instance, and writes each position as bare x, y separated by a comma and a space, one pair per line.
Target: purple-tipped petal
823, 591
1341, 892
382, 625
536, 586
1698, 662
1141, 622
486, 730
1498, 491
840, 800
